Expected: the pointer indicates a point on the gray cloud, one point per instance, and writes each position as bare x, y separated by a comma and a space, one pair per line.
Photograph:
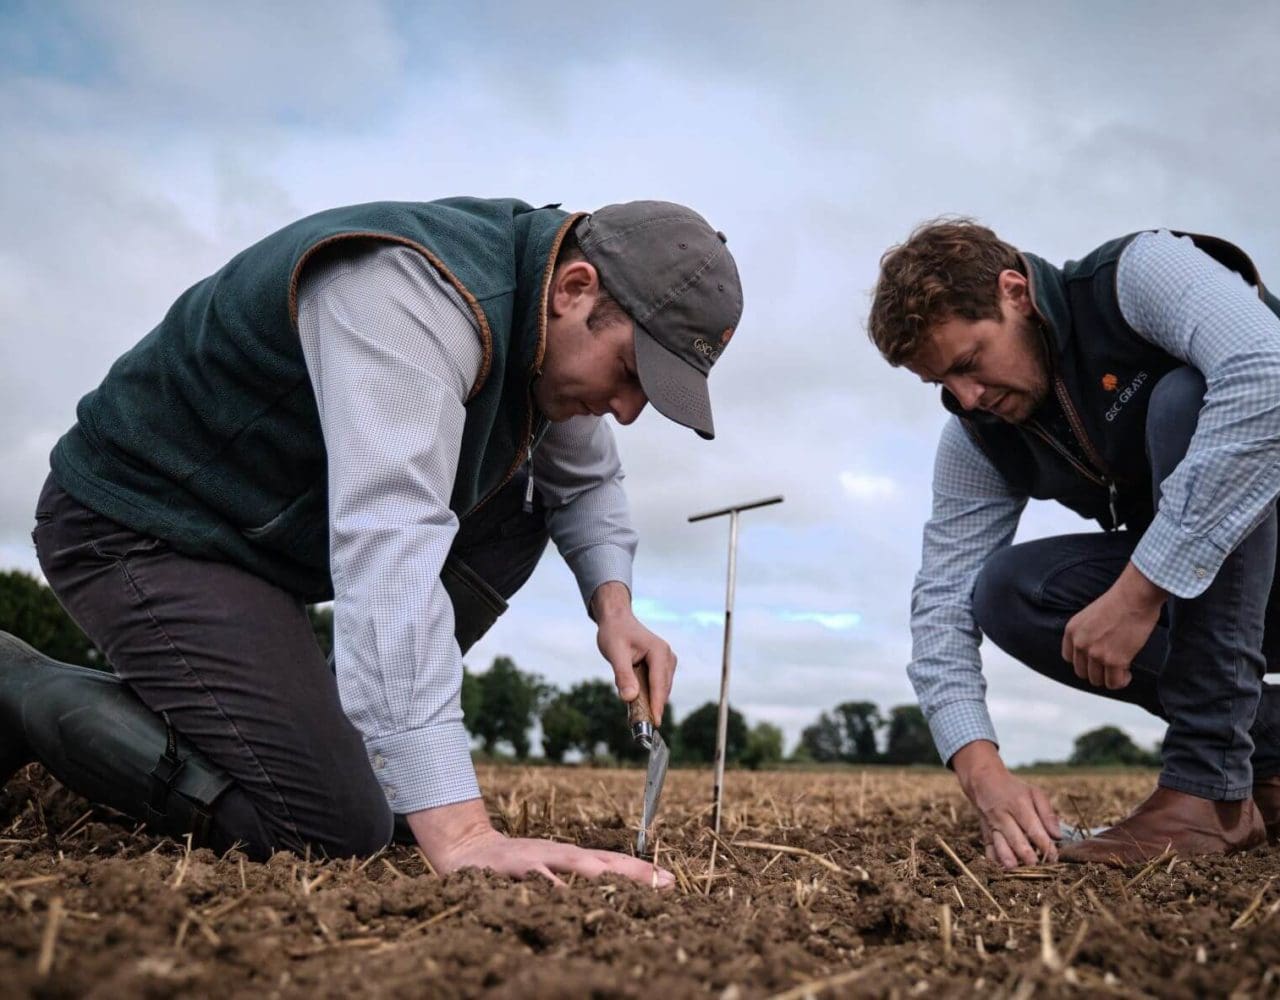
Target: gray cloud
141, 151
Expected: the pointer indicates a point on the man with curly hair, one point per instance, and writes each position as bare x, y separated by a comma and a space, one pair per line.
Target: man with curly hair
1136, 386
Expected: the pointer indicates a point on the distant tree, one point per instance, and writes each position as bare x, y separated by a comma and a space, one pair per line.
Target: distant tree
698, 734
861, 721
598, 703
509, 700
1107, 745
846, 733
322, 626
764, 746
670, 731
909, 741
606, 718
563, 728
618, 739
823, 741
622, 745
30, 611
472, 701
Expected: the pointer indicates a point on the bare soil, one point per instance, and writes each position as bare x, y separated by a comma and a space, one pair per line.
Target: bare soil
823, 884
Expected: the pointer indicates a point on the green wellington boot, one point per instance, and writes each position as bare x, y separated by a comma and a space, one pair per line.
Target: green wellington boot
94, 735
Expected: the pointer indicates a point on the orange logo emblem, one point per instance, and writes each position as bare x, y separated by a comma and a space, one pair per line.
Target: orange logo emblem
1110, 382
726, 336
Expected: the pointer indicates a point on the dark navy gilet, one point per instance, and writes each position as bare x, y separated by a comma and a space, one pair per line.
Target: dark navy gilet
1085, 447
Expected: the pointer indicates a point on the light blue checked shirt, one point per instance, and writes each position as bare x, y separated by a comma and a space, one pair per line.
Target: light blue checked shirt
1183, 301
393, 351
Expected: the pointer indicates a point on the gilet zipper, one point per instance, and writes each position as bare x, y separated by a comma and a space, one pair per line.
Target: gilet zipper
1099, 474
524, 454
527, 506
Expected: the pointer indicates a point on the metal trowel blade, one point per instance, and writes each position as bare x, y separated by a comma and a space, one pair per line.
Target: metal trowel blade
659, 757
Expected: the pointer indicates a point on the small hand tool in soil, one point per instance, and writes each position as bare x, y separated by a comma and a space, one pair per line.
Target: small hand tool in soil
645, 732
1075, 834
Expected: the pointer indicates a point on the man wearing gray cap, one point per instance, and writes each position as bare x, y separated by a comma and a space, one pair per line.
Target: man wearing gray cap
392, 405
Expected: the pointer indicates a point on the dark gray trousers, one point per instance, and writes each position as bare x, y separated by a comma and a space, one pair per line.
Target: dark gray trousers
1202, 668
234, 663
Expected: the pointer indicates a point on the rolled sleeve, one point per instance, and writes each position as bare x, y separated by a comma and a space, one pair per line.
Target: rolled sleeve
579, 476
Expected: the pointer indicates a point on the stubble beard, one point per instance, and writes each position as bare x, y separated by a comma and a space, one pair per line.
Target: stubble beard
1036, 342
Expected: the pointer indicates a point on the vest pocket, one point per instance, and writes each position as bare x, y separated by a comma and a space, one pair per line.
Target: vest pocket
476, 605
300, 531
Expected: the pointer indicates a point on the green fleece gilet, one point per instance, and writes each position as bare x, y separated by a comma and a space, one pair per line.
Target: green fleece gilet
206, 433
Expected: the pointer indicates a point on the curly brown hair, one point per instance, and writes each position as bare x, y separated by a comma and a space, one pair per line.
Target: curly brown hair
947, 268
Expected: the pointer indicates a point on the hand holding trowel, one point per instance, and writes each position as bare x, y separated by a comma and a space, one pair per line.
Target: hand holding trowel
645, 732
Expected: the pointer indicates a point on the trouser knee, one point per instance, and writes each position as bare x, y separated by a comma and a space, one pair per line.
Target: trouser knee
999, 601
1172, 415
356, 823
365, 828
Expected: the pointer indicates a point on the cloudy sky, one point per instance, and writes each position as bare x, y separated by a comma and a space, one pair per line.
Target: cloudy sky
142, 144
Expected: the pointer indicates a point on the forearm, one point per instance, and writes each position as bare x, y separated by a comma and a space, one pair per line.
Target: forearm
974, 514
580, 476
398, 668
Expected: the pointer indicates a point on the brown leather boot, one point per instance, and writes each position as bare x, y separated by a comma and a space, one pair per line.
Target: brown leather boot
1185, 824
1266, 796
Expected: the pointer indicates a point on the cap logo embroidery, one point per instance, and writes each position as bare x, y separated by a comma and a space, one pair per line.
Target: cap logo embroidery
705, 349
726, 336
1110, 382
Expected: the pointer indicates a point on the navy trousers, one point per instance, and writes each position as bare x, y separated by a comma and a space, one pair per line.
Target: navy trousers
233, 662
1202, 669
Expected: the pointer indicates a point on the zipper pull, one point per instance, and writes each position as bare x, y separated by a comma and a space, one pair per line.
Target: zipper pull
1112, 497
527, 506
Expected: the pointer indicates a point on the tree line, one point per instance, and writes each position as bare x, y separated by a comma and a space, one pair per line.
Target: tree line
855, 731
501, 705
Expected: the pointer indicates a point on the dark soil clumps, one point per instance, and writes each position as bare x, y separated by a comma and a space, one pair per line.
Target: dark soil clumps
856, 904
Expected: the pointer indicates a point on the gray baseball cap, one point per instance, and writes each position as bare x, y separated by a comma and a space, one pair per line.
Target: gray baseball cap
674, 276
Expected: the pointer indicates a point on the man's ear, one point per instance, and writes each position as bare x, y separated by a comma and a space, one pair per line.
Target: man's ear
571, 285
1015, 289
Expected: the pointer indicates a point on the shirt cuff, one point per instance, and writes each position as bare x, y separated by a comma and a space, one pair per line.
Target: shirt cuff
424, 768
599, 564
1180, 563
958, 724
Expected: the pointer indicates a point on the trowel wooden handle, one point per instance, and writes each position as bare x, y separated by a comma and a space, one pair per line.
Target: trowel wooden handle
639, 710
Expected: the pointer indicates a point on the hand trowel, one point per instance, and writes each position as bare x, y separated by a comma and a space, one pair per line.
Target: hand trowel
645, 732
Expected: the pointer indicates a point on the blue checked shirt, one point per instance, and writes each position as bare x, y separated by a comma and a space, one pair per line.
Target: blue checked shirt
393, 351
1183, 301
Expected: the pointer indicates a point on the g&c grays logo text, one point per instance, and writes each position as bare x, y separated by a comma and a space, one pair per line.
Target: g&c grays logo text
1126, 394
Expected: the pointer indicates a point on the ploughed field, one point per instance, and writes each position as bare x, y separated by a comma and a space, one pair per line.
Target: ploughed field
823, 884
